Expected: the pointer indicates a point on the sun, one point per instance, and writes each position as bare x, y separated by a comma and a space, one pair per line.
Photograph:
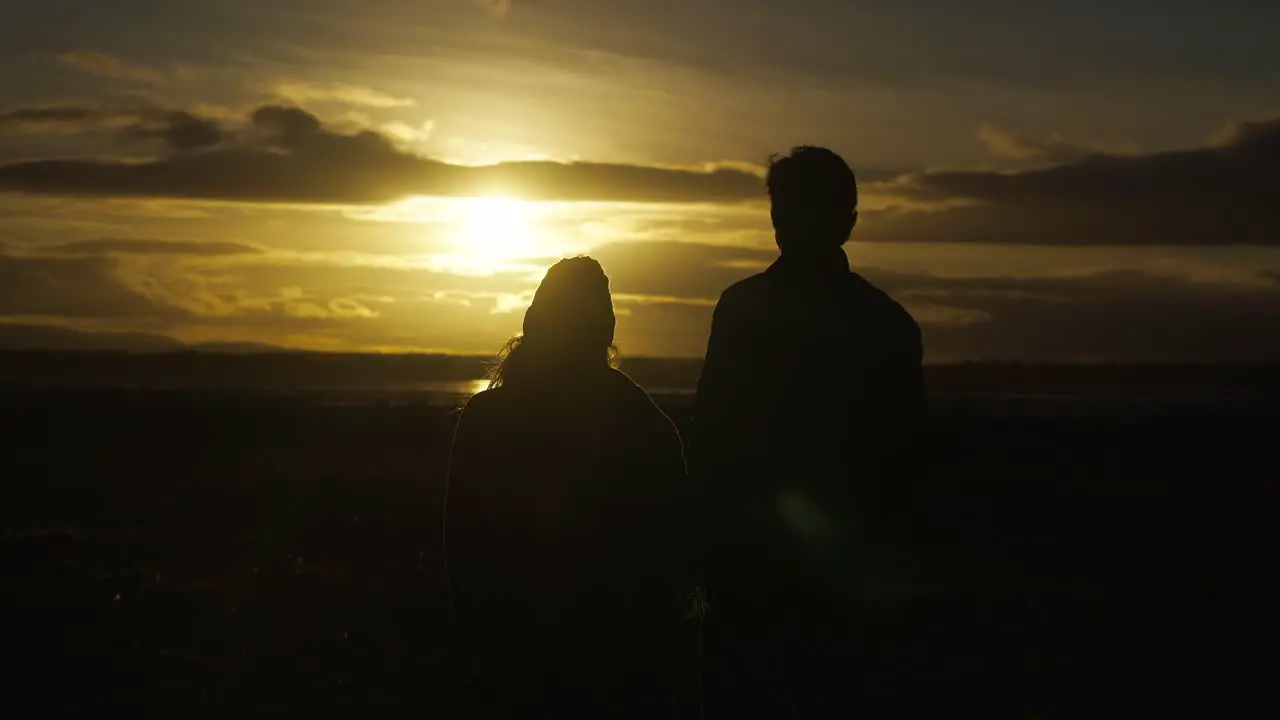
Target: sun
496, 229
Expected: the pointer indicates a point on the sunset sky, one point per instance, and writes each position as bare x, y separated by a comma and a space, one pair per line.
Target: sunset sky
1076, 181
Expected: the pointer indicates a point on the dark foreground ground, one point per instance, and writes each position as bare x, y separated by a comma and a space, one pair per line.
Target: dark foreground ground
168, 550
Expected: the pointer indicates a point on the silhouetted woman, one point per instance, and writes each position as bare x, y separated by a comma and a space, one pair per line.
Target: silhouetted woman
565, 519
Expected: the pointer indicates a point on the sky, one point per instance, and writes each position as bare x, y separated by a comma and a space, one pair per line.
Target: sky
1086, 181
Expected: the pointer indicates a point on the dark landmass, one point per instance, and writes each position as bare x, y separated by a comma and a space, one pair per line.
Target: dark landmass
53, 339
50, 338
172, 549
236, 366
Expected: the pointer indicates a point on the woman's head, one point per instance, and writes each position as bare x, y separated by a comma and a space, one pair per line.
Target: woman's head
567, 329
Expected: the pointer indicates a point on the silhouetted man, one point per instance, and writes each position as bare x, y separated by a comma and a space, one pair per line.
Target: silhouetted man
809, 394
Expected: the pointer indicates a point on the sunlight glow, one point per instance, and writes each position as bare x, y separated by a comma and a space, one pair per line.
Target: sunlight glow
496, 230
497, 234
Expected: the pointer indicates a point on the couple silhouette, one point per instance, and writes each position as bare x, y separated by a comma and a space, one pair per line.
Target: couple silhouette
596, 573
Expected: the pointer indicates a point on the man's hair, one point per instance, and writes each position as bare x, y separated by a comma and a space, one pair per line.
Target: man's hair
813, 176
812, 188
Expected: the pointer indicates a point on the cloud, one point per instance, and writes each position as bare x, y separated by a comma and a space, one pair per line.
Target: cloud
109, 66
1009, 144
346, 307
64, 113
63, 119
664, 292
1111, 317
130, 246
677, 269
303, 92
70, 288
1221, 193
407, 133
1119, 315
495, 8
286, 154
178, 129
1215, 194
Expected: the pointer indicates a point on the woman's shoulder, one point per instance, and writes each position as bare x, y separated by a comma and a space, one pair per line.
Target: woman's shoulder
487, 412
484, 402
632, 393
628, 388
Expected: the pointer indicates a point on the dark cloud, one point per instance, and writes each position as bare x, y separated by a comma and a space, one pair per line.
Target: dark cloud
66, 113
1117, 316
58, 118
290, 126
182, 131
131, 246
1121, 316
288, 155
71, 288
177, 129
1219, 194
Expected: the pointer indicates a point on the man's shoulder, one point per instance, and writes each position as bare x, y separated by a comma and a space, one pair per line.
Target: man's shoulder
745, 288
757, 295
890, 311
744, 296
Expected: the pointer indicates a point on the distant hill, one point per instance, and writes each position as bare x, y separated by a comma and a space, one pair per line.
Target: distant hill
53, 355
59, 339
240, 348
46, 337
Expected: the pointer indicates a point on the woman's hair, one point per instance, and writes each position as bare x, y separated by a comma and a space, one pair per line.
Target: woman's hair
568, 328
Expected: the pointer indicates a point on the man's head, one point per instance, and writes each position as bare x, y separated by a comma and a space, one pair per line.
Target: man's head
815, 200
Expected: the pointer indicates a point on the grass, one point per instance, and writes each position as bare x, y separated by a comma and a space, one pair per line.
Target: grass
172, 550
